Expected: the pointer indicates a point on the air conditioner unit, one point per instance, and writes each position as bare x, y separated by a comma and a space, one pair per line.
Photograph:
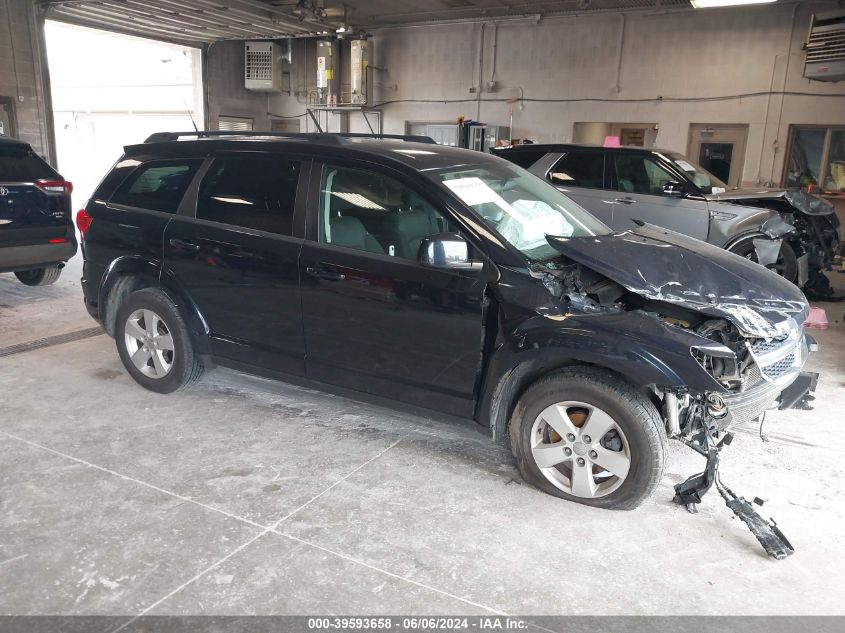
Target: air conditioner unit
262, 66
825, 48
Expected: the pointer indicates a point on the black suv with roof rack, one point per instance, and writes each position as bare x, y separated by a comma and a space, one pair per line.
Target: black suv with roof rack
442, 278
36, 226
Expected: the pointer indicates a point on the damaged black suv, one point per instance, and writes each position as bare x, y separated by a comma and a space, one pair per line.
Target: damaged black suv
446, 279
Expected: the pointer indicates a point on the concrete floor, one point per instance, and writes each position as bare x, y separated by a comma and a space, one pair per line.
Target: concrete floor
245, 496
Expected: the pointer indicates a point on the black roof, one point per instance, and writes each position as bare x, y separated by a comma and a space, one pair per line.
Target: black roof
419, 153
12, 141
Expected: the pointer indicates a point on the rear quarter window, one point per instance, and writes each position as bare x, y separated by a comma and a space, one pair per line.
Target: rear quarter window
18, 163
157, 185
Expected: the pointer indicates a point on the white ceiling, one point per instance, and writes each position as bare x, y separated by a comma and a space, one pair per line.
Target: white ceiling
194, 22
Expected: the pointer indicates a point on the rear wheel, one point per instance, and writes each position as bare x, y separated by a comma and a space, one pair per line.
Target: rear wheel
585, 435
154, 344
39, 276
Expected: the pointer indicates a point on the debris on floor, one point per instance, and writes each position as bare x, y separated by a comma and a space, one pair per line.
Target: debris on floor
817, 319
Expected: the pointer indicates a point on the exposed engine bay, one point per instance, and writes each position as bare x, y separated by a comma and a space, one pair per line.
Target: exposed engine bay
754, 368
815, 238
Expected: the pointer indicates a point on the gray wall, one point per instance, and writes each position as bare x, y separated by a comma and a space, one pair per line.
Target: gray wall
224, 86
608, 67
23, 73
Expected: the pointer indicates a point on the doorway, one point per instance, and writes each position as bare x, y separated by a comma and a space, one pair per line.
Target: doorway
110, 90
7, 117
629, 134
720, 149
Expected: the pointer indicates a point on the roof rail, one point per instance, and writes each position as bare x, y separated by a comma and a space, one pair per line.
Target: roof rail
160, 137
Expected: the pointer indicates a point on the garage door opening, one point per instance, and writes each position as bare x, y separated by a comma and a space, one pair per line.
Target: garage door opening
111, 90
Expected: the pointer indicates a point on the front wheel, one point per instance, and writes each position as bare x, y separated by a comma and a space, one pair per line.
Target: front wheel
786, 265
585, 435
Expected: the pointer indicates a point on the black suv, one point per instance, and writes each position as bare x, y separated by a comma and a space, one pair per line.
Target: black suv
442, 278
36, 227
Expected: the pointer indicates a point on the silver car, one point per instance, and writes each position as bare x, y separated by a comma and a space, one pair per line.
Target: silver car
625, 186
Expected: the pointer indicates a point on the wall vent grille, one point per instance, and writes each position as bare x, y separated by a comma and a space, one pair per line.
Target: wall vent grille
262, 67
825, 47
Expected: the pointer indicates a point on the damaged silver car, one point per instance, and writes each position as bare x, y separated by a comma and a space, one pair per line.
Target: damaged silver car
789, 231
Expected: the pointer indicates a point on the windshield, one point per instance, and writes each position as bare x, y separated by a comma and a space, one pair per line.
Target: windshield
703, 179
520, 207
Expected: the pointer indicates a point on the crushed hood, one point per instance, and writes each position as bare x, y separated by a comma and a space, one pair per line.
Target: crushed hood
798, 198
662, 265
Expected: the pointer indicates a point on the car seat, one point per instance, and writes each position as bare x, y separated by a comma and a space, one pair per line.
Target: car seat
350, 232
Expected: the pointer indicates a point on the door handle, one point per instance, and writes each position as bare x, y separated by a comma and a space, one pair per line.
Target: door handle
625, 200
325, 272
184, 244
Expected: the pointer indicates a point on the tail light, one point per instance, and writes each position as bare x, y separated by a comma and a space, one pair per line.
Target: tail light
83, 221
55, 186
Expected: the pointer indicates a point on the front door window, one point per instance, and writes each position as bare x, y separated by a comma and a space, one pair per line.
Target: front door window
372, 212
639, 174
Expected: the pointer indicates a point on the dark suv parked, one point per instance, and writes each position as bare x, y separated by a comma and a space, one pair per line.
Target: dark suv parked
36, 227
443, 278
788, 230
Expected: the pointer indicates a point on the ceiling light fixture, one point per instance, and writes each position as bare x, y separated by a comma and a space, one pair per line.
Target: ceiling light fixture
711, 4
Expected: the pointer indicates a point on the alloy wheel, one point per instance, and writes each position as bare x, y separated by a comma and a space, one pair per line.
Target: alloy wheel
149, 343
580, 449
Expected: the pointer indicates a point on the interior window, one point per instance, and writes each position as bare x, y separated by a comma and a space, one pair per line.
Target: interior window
639, 174
579, 169
371, 212
157, 185
250, 191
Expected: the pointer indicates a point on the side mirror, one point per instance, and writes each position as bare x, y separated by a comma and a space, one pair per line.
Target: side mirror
674, 189
447, 250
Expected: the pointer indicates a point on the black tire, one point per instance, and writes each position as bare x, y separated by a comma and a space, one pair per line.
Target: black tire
39, 276
786, 265
634, 414
186, 366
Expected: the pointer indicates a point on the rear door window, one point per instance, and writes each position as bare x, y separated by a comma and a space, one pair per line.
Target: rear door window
579, 169
254, 192
158, 185
18, 163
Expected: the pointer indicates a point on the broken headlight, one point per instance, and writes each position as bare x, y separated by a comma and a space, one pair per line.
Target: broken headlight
719, 361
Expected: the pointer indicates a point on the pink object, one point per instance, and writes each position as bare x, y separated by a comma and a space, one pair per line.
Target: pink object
612, 141
817, 319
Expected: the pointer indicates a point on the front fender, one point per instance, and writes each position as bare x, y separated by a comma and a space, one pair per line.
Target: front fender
638, 347
730, 223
